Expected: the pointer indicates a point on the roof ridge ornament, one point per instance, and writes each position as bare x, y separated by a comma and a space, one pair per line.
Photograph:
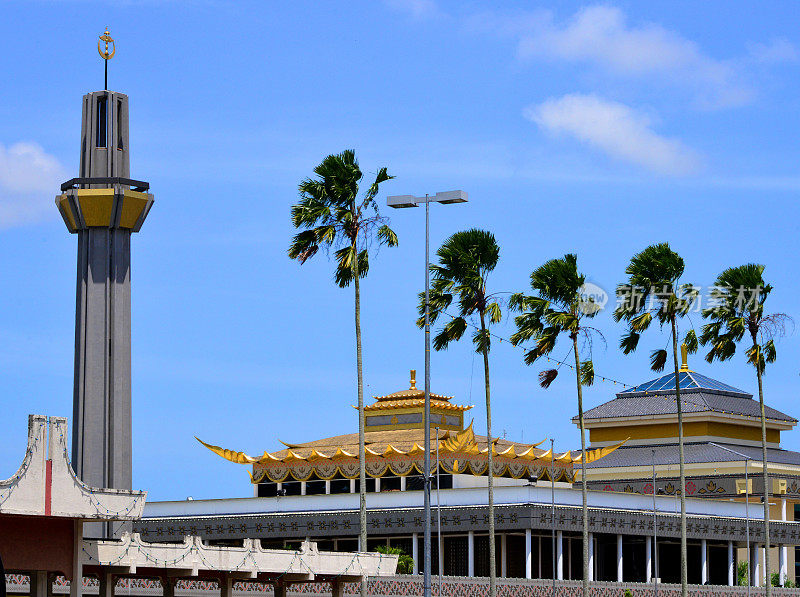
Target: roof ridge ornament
413, 380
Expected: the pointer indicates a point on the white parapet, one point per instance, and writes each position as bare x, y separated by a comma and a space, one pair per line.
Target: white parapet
131, 555
46, 485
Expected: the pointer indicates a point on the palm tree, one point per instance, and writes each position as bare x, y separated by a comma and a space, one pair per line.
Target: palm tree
739, 295
465, 261
653, 291
559, 307
331, 214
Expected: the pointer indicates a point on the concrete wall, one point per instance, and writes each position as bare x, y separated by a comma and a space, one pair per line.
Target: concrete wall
403, 586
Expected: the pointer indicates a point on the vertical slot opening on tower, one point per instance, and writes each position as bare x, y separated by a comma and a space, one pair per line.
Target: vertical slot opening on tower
102, 121
120, 144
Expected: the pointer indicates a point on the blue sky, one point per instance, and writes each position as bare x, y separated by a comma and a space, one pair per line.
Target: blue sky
575, 127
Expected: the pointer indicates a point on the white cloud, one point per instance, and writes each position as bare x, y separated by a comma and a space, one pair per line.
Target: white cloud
602, 36
615, 129
29, 180
419, 9
778, 50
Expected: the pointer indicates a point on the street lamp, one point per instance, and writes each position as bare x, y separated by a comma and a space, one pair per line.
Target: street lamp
401, 201
746, 513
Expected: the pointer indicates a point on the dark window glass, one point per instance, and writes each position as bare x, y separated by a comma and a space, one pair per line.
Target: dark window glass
102, 121
434, 553
445, 481
455, 556
119, 125
291, 487
340, 486
415, 483
347, 545
267, 489
315, 487
370, 485
390, 483
404, 543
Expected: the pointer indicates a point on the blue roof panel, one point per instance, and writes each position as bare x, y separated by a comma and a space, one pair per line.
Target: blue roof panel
687, 380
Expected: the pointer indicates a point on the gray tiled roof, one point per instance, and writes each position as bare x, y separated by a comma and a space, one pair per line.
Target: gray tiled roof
693, 453
692, 401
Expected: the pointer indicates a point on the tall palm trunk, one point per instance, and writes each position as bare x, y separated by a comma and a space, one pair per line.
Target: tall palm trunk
768, 582
684, 574
362, 467
585, 508
490, 469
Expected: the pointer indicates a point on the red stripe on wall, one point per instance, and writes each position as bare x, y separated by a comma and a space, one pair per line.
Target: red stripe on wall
48, 487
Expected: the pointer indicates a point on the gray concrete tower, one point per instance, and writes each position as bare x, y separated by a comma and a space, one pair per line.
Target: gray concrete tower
103, 207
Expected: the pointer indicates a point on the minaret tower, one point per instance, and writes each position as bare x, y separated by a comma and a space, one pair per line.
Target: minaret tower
103, 207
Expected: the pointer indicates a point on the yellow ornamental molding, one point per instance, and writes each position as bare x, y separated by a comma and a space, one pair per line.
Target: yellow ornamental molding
598, 453
237, 457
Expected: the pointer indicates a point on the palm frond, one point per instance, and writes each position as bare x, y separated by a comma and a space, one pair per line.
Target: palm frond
690, 340
482, 340
547, 377
494, 312
629, 342
587, 373
658, 358
386, 236
451, 332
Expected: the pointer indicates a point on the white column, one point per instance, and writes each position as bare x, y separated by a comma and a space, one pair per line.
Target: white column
731, 565
415, 552
762, 570
619, 558
378, 480
471, 553
528, 555
559, 555
441, 553
754, 564
503, 556
402, 483
591, 556
703, 561
782, 550
648, 558
327, 487
353, 483
784, 564
302, 487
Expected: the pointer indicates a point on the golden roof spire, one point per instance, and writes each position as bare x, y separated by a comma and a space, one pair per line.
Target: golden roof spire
684, 357
104, 53
413, 380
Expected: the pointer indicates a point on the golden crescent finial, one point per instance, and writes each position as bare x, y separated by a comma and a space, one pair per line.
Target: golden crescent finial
107, 39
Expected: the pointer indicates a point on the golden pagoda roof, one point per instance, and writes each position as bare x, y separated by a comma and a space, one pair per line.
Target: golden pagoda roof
413, 397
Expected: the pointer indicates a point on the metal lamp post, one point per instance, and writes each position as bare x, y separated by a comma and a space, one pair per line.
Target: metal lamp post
402, 201
750, 579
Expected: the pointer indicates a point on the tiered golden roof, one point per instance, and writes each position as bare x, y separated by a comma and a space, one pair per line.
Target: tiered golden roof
397, 448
